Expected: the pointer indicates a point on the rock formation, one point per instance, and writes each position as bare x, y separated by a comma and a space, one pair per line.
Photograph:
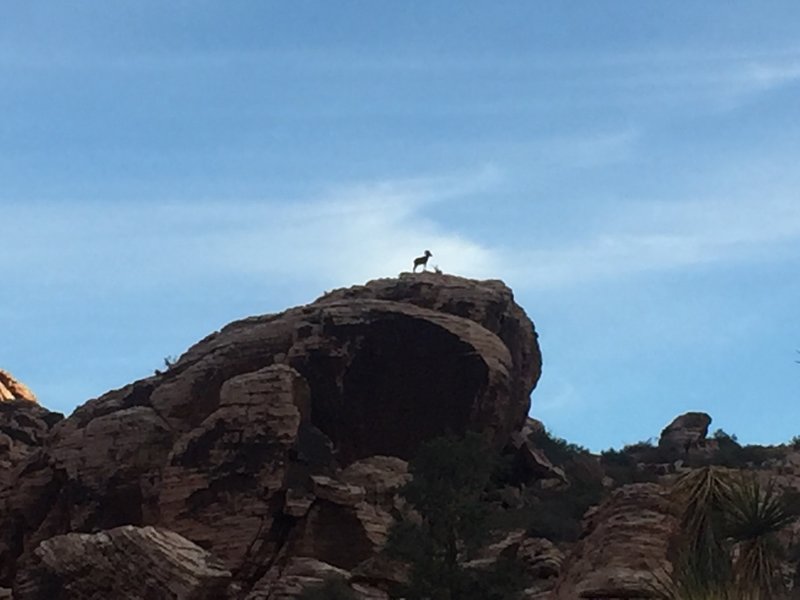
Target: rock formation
127, 562
625, 544
11, 388
685, 433
276, 445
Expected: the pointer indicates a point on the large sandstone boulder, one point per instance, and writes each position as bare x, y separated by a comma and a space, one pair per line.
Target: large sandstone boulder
283, 435
126, 562
624, 546
685, 433
489, 303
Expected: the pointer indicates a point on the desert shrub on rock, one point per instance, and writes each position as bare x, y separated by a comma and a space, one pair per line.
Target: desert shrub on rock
449, 523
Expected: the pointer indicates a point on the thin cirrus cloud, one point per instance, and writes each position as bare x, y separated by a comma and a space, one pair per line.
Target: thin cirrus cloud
349, 234
359, 232
659, 236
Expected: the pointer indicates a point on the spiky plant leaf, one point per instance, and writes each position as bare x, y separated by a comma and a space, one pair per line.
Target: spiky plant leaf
754, 515
702, 495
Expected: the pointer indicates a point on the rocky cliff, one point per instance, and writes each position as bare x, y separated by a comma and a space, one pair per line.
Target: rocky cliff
269, 453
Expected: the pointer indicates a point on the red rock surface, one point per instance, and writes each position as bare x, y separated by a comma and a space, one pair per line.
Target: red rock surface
279, 438
127, 562
625, 543
11, 388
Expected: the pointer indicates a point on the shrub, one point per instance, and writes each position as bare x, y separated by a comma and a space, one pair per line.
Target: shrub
447, 491
557, 449
623, 467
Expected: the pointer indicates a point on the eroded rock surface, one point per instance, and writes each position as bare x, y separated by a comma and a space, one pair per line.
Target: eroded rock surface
220, 484
686, 432
625, 544
13, 389
489, 303
301, 573
283, 435
126, 562
24, 427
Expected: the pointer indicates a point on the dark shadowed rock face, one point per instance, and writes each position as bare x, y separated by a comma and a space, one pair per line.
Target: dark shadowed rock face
24, 429
489, 303
239, 447
24, 426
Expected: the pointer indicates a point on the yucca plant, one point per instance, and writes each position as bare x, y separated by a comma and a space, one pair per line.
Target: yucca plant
754, 516
728, 545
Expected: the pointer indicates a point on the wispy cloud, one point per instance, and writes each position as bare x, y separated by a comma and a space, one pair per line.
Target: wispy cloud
347, 234
374, 229
657, 236
765, 75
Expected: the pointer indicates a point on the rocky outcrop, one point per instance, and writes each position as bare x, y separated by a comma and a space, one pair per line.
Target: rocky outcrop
624, 546
223, 481
299, 574
25, 483
488, 303
685, 433
126, 562
532, 463
24, 427
538, 558
13, 389
282, 436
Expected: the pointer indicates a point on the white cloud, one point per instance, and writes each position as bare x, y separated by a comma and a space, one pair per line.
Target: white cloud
349, 234
657, 236
771, 75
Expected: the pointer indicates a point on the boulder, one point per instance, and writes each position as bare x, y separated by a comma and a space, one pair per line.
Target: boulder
381, 477
489, 303
624, 545
126, 562
532, 463
685, 433
540, 558
341, 533
301, 573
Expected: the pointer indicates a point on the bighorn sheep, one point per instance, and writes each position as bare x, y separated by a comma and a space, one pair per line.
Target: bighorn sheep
422, 260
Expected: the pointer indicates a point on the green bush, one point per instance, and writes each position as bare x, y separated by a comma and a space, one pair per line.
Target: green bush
733, 455
623, 467
558, 450
450, 477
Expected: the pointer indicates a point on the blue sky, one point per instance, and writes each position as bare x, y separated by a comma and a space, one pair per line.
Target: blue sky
629, 168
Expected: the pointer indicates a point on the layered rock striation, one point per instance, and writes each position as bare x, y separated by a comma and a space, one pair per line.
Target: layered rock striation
624, 546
